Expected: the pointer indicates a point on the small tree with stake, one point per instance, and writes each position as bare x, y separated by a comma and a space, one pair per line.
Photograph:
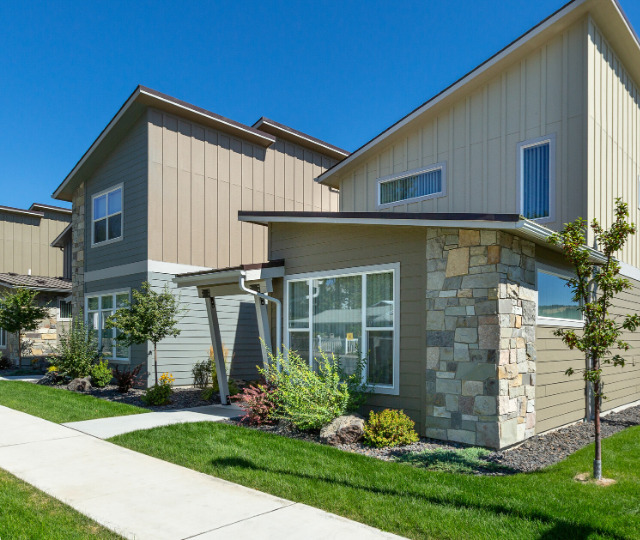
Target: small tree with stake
151, 316
20, 313
595, 285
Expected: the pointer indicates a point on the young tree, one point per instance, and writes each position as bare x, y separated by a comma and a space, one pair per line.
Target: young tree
594, 286
151, 316
19, 313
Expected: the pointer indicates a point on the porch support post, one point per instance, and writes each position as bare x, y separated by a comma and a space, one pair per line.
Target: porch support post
216, 341
263, 328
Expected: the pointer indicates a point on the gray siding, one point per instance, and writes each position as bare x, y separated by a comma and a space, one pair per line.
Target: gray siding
238, 328
127, 164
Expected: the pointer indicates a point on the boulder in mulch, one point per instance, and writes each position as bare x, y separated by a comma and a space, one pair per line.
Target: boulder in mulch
347, 429
50, 379
80, 385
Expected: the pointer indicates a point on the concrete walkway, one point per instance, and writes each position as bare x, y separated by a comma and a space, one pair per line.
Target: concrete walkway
143, 497
103, 428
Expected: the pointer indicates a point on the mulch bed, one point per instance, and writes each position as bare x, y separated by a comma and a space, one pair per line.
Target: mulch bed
181, 398
534, 454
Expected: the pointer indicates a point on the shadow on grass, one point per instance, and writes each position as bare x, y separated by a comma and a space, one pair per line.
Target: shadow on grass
467, 460
561, 529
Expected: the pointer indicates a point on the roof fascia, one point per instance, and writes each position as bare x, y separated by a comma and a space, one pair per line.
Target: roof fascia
21, 212
49, 208
58, 242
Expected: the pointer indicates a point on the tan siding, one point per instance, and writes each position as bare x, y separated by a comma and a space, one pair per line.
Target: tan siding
477, 137
25, 243
613, 116
200, 178
310, 248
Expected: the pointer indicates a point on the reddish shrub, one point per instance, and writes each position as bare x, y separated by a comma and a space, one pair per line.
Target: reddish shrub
126, 378
258, 403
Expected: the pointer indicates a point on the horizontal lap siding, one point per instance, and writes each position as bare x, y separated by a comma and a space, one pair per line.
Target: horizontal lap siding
477, 134
238, 329
126, 165
311, 248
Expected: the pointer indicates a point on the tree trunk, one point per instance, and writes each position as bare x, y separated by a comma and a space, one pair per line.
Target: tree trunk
597, 462
155, 360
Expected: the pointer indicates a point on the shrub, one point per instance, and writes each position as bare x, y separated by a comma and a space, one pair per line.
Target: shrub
52, 368
389, 428
202, 372
308, 399
259, 403
101, 374
160, 393
77, 349
126, 378
5, 363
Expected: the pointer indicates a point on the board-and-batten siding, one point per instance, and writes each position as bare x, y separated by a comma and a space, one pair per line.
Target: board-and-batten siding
614, 142
127, 164
238, 329
560, 399
199, 179
25, 243
311, 248
477, 137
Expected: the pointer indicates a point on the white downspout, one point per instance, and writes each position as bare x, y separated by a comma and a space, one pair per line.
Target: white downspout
267, 298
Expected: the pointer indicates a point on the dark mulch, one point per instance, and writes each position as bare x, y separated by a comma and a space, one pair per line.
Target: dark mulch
538, 452
543, 450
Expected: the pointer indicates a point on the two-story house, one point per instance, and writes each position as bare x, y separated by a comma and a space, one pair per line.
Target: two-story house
35, 255
437, 269
158, 193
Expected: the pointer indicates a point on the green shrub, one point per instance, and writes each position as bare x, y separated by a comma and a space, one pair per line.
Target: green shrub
77, 349
202, 373
101, 374
389, 428
308, 399
160, 393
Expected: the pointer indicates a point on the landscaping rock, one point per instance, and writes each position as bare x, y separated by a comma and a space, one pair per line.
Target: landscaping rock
49, 379
343, 430
80, 385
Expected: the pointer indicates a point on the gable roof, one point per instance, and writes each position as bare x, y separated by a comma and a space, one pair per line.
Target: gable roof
40, 283
607, 13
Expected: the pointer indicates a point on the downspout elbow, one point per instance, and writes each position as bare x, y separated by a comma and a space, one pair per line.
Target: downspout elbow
266, 298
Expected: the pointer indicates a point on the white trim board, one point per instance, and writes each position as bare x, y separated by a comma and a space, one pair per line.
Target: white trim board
141, 267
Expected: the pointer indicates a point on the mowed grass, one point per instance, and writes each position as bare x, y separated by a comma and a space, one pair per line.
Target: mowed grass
58, 405
28, 513
412, 501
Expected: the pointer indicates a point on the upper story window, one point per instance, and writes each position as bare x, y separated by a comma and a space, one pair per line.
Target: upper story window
426, 183
106, 219
536, 161
351, 313
556, 306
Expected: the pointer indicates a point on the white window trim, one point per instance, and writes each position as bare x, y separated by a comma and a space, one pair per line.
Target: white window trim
397, 176
100, 194
393, 389
113, 292
60, 317
551, 139
553, 321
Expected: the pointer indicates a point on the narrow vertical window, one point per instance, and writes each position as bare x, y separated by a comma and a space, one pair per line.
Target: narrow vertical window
3, 338
536, 178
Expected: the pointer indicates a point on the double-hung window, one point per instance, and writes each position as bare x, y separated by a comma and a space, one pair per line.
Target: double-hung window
3, 338
351, 313
106, 219
412, 186
98, 309
536, 162
556, 306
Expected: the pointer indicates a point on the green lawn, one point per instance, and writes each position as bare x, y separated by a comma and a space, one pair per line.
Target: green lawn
59, 405
28, 513
411, 501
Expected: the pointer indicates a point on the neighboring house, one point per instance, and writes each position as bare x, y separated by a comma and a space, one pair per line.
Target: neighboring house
29, 259
437, 269
158, 193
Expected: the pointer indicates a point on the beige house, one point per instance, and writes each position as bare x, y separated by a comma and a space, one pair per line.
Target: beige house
436, 269
158, 193
35, 254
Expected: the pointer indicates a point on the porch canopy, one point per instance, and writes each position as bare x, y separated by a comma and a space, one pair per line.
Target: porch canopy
254, 279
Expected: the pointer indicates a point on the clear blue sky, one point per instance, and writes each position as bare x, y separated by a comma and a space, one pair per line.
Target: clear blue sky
342, 71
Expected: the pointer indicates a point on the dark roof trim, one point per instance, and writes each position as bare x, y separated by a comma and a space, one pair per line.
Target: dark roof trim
22, 212
49, 208
245, 215
286, 132
257, 266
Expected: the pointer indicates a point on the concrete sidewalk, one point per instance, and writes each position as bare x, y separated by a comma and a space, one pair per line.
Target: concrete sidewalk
143, 497
103, 428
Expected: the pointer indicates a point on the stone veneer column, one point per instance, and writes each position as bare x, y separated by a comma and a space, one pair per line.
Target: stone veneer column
78, 247
480, 337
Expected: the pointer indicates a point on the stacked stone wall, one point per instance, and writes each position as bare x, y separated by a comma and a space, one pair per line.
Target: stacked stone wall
480, 371
78, 249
